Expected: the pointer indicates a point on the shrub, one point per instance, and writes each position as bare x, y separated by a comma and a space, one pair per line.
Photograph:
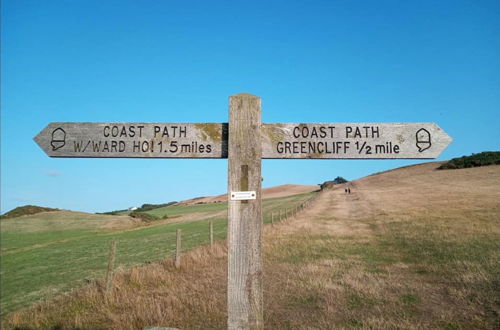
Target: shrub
339, 180
481, 159
146, 217
26, 210
149, 207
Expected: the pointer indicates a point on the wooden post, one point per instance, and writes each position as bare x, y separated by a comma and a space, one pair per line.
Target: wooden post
178, 249
272, 218
111, 265
211, 232
245, 297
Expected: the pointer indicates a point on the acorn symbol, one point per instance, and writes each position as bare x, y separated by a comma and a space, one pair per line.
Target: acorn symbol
58, 139
423, 139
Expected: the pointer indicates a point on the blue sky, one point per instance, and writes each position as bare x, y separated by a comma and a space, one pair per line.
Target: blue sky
179, 61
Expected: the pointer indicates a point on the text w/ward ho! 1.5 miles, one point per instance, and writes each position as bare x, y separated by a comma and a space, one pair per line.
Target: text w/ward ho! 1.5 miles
210, 140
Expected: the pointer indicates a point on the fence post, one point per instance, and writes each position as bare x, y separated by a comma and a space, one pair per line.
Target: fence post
111, 265
272, 218
211, 232
178, 249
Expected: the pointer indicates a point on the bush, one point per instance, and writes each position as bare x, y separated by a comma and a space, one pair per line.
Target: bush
149, 207
143, 208
146, 217
329, 184
26, 210
481, 159
339, 180
117, 212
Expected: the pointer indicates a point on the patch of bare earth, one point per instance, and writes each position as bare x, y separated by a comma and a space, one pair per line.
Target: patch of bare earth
412, 248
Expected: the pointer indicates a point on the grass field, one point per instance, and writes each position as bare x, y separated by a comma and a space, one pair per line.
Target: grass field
49, 253
173, 210
412, 248
411, 272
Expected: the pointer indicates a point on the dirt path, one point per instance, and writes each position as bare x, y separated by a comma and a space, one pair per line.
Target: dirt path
334, 213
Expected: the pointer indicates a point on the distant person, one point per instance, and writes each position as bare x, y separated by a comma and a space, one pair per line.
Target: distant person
348, 190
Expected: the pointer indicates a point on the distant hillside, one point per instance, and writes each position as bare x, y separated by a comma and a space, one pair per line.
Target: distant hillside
26, 210
411, 246
271, 192
143, 208
481, 159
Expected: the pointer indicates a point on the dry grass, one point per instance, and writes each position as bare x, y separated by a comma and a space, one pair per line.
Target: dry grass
409, 249
190, 297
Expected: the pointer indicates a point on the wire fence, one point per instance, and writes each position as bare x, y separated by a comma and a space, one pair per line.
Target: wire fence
186, 236
67, 259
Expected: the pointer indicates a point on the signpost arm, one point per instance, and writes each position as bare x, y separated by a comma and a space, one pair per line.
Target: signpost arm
245, 301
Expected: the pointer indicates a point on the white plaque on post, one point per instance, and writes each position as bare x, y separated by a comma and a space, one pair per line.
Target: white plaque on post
243, 195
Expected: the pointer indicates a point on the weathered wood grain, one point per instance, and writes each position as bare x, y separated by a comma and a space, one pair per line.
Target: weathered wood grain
245, 297
210, 140
111, 266
353, 140
211, 232
178, 237
134, 140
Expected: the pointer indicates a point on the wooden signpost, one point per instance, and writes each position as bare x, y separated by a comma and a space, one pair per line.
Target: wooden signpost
244, 141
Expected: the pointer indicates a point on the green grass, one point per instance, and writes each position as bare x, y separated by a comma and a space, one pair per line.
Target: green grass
14, 241
268, 205
173, 210
45, 255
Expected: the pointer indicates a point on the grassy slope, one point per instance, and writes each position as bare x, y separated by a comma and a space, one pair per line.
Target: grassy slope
412, 248
179, 210
49, 253
26, 210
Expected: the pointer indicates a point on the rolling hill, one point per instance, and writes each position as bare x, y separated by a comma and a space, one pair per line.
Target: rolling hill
48, 253
272, 192
26, 210
411, 248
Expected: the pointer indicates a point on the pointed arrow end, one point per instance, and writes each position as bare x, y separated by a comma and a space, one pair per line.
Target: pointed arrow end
42, 139
444, 139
